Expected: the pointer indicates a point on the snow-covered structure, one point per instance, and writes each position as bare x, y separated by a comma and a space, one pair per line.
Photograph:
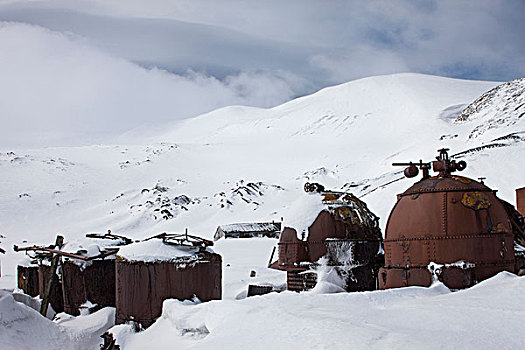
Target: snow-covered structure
344, 236
164, 267
86, 277
248, 230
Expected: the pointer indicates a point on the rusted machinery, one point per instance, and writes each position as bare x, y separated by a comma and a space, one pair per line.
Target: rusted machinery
452, 221
165, 266
346, 233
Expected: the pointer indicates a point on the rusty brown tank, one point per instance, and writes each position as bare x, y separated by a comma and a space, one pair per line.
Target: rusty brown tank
452, 221
56, 298
28, 279
346, 233
520, 200
94, 283
142, 284
89, 283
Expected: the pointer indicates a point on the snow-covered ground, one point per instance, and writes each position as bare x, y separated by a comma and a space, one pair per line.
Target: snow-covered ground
21, 327
245, 164
487, 316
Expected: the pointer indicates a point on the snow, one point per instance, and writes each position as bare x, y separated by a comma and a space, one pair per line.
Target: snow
154, 250
301, 213
24, 328
239, 258
484, 317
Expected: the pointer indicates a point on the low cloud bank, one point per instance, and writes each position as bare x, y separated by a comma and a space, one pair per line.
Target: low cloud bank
56, 89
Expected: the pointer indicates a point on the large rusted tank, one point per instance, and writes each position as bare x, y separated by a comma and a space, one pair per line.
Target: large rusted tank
88, 272
452, 221
167, 266
520, 200
55, 296
93, 284
28, 279
345, 233
85, 277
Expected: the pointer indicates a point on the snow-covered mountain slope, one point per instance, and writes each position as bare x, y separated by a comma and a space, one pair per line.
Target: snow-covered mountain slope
241, 164
499, 108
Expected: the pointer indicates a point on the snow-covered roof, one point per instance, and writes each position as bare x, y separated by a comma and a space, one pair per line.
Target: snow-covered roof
252, 227
304, 211
155, 250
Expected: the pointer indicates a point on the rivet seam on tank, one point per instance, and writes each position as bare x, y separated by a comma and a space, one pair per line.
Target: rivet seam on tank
476, 200
444, 221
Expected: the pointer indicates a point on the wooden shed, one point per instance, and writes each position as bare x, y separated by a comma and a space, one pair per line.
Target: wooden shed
248, 230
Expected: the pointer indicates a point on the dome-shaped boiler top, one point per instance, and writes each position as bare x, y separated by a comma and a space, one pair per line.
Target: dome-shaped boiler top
452, 221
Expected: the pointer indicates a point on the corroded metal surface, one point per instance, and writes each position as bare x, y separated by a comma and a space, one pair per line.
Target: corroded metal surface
55, 296
300, 280
520, 200
445, 220
346, 233
28, 279
95, 283
141, 287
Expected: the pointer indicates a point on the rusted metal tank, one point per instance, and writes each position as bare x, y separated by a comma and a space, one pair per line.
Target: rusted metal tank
94, 283
164, 267
89, 279
28, 279
520, 200
86, 277
55, 296
346, 233
452, 221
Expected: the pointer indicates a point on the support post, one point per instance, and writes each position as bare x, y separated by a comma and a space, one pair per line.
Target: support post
52, 271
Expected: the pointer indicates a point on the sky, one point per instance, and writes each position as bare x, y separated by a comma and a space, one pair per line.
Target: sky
80, 72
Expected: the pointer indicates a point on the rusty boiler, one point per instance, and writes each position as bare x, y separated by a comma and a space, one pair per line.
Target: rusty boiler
447, 227
346, 233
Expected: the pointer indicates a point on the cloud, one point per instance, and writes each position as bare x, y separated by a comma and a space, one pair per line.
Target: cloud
56, 90
475, 39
